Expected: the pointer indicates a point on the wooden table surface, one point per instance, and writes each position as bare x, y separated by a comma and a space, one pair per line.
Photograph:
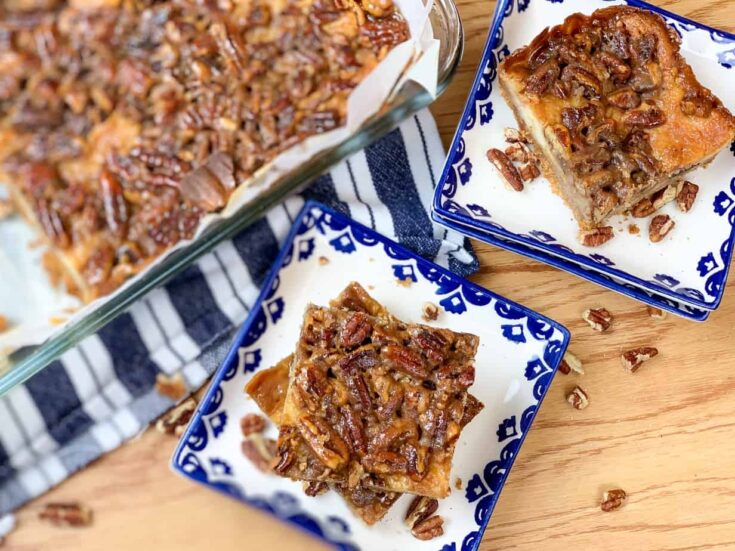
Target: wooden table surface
666, 434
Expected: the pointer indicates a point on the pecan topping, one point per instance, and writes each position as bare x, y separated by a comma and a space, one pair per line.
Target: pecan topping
686, 196
354, 430
505, 166
407, 361
66, 514
172, 387
385, 462
660, 227
656, 313
428, 529
596, 237
570, 363
578, 398
648, 118
513, 135
252, 423
542, 77
259, 450
283, 459
583, 77
634, 358
624, 98
599, 319
356, 330
433, 345
324, 441
420, 509
429, 311
175, 420
313, 488
613, 499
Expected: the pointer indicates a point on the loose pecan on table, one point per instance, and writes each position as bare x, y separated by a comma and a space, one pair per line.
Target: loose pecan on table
599, 319
613, 499
660, 227
578, 398
634, 358
67, 514
506, 168
570, 363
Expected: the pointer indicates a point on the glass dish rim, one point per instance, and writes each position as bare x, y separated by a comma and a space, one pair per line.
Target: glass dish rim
447, 27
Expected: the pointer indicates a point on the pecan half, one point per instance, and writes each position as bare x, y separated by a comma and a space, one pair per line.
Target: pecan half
645, 118
505, 166
542, 77
634, 358
686, 196
624, 98
406, 361
570, 363
352, 425
599, 319
582, 77
529, 172
428, 529
260, 451
172, 387
643, 208
385, 462
596, 237
175, 420
655, 313
420, 509
578, 398
356, 330
613, 499
66, 514
324, 441
252, 423
660, 227
429, 311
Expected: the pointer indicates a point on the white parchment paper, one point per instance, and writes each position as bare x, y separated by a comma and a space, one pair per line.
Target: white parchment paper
36, 310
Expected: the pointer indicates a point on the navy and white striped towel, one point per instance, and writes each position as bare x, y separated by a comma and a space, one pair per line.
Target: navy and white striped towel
101, 393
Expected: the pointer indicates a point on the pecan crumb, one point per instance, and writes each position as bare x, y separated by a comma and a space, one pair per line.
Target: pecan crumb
313, 488
596, 237
458, 483
517, 152
578, 398
420, 509
3, 323
66, 514
613, 499
323, 261
252, 423
656, 313
259, 450
428, 529
632, 359
599, 319
406, 282
173, 387
505, 166
686, 196
429, 311
529, 172
513, 135
570, 363
660, 226
633, 229
175, 420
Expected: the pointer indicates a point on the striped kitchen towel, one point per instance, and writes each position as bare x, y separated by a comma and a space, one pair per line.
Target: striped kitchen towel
101, 393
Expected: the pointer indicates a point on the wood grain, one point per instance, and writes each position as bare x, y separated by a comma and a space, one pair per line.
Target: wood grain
666, 434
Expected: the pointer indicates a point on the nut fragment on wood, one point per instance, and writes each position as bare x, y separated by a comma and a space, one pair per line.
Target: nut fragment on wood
428, 529
513, 135
634, 358
578, 398
175, 420
596, 237
613, 499
252, 423
656, 313
660, 227
66, 514
313, 488
529, 172
173, 387
259, 450
570, 363
599, 319
686, 196
429, 311
421, 508
506, 168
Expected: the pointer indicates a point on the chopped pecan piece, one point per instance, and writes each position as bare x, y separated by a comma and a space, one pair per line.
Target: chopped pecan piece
505, 166
66, 514
686, 196
313, 488
646, 118
428, 529
529, 172
429, 311
518, 152
3, 323
599, 319
570, 363
259, 450
513, 135
660, 227
613, 499
172, 387
596, 237
252, 423
175, 420
634, 358
643, 208
578, 398
420, 509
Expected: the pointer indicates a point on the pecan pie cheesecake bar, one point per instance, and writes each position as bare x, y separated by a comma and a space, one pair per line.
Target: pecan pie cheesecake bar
124, 122
376, 401
615, 110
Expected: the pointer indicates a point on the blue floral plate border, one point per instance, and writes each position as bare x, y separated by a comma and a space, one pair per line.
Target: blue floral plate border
519, 334
542, 246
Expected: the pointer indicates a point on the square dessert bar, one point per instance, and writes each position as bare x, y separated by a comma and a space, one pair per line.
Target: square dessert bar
614, 109
375, 401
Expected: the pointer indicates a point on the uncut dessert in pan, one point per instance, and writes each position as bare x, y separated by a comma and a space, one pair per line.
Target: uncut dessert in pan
124, 122
616, 113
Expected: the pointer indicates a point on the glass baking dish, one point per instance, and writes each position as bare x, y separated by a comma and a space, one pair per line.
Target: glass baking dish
410, 98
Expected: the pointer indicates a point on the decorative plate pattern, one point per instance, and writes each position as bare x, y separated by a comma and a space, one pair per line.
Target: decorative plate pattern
689, 267
518, 356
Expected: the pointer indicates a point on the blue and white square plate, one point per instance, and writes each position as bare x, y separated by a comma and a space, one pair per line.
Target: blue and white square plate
516, 361
690, 266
